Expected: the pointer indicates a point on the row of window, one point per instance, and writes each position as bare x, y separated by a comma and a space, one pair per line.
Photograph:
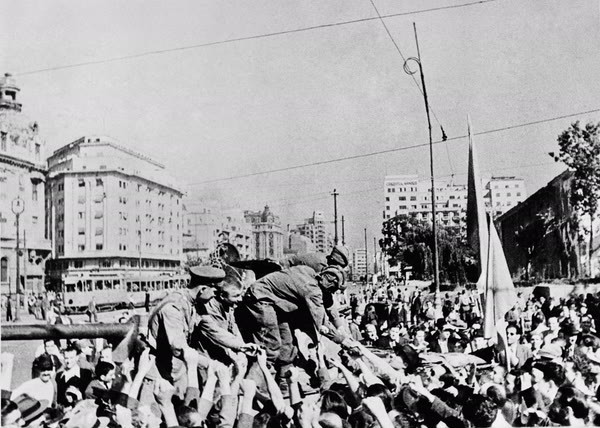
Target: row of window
507, 186
402, 189
508, 194
108, 263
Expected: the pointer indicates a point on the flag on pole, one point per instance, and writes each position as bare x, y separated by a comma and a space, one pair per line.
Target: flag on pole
494, 281
500, 294
477, 227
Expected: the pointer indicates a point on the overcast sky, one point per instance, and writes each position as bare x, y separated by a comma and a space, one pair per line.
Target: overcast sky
254, 105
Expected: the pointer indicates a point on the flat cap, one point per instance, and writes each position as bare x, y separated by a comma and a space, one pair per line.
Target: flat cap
339, 256
205, 275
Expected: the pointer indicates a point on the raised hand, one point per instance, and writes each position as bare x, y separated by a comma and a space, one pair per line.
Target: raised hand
261, 358
250, 349
163, 391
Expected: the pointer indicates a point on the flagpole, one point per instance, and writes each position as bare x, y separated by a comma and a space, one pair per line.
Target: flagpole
436, 271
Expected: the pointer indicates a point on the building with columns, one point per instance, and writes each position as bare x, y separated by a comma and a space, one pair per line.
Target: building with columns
22, 183
268, 234
111, 213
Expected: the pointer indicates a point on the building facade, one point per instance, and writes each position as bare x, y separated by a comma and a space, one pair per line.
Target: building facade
407, 195
359, 264
315, 228
267, 232
22, 183
503, 193
204, 229
541, 241
111, 212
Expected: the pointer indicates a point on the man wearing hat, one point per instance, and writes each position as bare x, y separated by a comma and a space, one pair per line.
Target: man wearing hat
171, 322
318, 261
280, 301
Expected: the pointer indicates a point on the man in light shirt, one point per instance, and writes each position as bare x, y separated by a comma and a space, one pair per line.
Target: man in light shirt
42, 387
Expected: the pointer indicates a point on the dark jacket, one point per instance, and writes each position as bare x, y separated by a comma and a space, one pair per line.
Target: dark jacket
80, 382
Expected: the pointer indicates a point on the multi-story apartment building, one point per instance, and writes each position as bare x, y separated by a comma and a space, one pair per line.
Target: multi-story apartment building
22, 184
503, 193
407, 195
268, 234
110, 212
359, 264
315, 229
205, 228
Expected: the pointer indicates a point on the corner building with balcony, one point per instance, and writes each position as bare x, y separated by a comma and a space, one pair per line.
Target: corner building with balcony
22, 176
115, 218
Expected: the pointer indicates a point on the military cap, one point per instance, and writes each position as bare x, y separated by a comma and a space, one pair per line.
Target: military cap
337, 273
339, 256
205, 275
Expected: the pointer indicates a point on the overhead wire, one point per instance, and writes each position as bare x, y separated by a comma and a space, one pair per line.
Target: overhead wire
392, 150
245, 38
414, 79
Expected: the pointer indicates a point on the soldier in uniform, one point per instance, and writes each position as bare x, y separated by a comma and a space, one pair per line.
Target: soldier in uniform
217, 333
318, 261
171, 323
277, 303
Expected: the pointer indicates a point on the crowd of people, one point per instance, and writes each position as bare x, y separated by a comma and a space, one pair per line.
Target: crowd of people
295, 347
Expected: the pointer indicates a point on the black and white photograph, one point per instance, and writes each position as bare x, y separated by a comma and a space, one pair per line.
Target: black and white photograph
300, 213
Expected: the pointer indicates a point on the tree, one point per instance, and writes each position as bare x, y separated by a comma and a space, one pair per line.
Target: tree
579, 149
409, 241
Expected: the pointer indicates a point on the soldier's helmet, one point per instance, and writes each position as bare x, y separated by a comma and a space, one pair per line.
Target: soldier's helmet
333, 278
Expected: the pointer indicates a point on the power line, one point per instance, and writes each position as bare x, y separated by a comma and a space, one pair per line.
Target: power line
397, 149
246, 38
414, 79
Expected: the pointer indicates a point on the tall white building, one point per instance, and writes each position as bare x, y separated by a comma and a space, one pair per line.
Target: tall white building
503, 193
407, 195
111, 212
359, 264
315, 228
22, 178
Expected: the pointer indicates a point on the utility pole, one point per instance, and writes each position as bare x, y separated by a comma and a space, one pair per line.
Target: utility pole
26, 259
407, 69
335, 195
343, 238
18, 206
366, 259
375, 255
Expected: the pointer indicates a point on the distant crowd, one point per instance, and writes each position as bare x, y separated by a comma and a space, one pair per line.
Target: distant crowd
287, 343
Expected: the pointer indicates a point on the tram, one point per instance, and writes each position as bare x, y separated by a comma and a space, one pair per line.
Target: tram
117, 291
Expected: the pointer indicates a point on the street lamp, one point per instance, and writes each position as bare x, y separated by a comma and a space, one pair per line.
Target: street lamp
18, 206
408, 70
